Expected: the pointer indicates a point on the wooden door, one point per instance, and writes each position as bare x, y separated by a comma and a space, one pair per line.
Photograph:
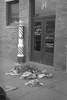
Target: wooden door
37, 40
43, 40
48, 40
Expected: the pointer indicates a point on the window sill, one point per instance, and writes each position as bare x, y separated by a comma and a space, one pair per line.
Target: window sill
13, 25
10, 26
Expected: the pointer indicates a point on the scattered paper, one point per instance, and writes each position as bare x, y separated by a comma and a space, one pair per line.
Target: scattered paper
49, 75
11, 73
34, 83
41, 75
25, 75
9, 88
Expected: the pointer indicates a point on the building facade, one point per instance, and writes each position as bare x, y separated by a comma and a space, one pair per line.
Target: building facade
45, 30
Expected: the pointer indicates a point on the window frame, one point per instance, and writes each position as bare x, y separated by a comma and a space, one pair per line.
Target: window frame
8, 11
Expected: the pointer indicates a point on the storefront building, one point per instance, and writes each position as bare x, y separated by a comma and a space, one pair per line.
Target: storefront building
45, 30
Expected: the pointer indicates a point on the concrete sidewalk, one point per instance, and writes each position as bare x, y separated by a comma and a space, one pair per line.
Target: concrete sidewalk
54, 88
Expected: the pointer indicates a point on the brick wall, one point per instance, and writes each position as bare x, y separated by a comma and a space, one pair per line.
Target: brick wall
8, 35
24, 15
8, 43
1, 24
60, 35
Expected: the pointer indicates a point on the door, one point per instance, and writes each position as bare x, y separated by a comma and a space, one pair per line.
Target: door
43, 40
37, 40
48, 41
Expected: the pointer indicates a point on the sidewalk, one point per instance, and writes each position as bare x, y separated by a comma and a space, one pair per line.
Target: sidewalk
54, 88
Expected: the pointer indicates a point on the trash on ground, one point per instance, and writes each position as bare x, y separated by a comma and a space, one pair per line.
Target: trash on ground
9, 88
49, 75
30, 68
41, 75
12, 73
33, 76
34, 83
27, 71
30, 73
25, 75
16, 70
45, 75
17, 67
44, 71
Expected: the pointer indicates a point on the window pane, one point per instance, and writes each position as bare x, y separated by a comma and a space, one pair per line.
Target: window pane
37, 36
15, 12
50, 29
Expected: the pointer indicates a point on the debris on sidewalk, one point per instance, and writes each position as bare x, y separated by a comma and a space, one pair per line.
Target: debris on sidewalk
45, 75
44, 71
34, 83
12, 73
25, 75
33, 76
30, 73
9, 88
17, 67
30, 68
49, 75
16, 70
41, 75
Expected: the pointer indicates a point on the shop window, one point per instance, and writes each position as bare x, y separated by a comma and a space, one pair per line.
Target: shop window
12, 12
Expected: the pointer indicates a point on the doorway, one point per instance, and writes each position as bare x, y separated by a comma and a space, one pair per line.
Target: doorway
43, 40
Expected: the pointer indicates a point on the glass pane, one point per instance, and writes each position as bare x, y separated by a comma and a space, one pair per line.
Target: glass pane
50, 29
43, 7
15, 12
37, 36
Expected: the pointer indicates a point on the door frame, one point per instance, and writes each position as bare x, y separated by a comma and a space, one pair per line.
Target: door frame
40, 18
